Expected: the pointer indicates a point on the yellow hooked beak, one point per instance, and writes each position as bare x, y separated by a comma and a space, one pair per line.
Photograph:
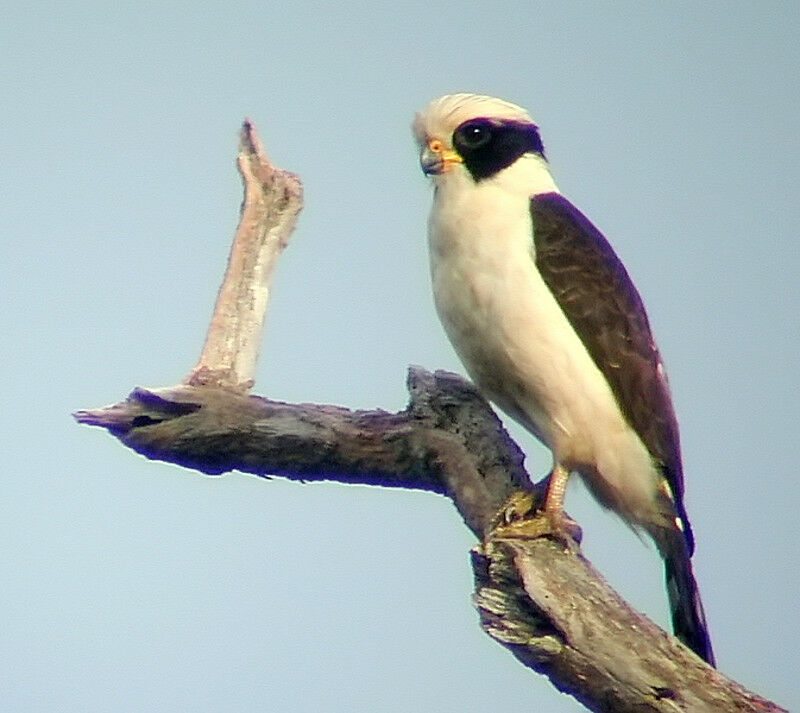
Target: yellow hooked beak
435, 159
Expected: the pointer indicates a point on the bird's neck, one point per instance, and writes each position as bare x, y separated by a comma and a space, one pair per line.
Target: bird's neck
529, 175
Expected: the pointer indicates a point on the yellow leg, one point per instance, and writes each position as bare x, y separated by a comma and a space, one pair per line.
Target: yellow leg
564, 528
556, 490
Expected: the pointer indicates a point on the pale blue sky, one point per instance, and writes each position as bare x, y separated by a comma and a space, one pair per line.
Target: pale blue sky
131, 585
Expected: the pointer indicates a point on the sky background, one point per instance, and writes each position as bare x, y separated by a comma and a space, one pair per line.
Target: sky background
130, 585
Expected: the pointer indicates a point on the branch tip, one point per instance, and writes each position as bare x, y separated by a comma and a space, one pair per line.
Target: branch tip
272, 201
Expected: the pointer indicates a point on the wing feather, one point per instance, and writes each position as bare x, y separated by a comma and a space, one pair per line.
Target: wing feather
601, 303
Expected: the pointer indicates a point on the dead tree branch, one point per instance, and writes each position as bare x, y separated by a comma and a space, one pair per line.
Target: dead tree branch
540, 599
272, 201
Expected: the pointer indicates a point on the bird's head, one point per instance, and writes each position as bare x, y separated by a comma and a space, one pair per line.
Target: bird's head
476, 133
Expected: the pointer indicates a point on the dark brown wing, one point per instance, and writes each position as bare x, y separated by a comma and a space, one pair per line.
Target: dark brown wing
601, 303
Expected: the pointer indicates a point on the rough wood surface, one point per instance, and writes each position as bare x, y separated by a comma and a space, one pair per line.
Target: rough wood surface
272, 201
558, 616
447, 432
537, 597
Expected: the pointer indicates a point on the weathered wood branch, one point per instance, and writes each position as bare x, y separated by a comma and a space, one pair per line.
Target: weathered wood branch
447, 432
272, 201
536, 596
558, 616
539, 599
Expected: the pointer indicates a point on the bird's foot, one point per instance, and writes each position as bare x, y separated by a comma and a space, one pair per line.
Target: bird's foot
522, 517
562, 528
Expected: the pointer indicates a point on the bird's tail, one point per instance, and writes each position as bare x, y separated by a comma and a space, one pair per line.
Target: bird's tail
688, 617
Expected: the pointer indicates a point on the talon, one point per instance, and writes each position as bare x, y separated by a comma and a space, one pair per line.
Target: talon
519, 505
563, 529
522, 517
539, 523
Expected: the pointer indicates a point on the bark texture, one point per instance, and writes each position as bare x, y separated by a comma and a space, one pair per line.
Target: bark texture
535, 594
448, 432
272, 202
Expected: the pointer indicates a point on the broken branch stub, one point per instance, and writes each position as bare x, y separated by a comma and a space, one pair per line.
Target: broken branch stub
272, 201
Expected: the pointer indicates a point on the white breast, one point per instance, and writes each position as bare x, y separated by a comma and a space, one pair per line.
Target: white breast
515, 341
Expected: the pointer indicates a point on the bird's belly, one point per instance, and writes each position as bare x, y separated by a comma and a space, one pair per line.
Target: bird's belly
523, 354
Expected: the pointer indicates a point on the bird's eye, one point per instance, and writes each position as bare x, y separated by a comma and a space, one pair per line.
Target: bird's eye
473, 134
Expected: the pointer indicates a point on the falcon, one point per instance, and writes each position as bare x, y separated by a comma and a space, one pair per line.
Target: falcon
551, 329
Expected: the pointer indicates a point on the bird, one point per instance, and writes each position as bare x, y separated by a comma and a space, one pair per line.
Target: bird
551, 329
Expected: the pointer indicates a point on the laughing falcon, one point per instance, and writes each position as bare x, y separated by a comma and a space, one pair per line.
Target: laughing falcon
550, 327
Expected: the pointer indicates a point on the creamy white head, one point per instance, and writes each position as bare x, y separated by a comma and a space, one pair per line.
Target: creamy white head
444, 114
477, 138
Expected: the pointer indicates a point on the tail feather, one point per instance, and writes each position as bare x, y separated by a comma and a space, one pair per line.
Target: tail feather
688, 617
